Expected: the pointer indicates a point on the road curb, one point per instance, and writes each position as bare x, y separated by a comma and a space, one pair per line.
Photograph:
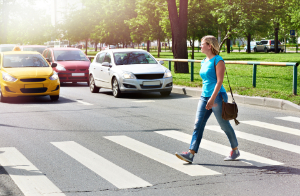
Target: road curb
260, 101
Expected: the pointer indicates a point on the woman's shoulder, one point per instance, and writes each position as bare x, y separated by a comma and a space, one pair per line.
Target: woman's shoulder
218, 57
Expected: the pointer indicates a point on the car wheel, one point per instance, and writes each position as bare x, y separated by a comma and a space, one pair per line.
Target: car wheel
115, 88
165, 93
93, 87
255, 50
265, 50
3, 99
54, 97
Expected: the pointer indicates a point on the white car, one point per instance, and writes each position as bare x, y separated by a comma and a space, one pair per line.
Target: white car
129, 70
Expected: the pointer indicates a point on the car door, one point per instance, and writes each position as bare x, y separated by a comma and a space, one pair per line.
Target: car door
105, 71
97, 67
260, 47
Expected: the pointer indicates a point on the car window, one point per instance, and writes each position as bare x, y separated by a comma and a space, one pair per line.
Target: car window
24, 60
133, 57
100, 57
264, 42
6, 48
69, 55
272, 42
37, 49
49, 55
107, 58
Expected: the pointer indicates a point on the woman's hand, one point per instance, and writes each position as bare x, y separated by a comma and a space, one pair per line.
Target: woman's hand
211, 103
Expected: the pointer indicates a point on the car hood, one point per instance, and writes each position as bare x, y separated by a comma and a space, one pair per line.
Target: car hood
29, 71
142, 68
74, 64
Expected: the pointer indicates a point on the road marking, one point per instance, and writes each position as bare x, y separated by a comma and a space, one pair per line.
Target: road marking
161, 156
84, 103
146, 101
27, 177
289, 118
114, 174
246, 157
273, 127
261, 140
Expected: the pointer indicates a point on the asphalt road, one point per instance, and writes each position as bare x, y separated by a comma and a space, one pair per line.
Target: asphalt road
94, 144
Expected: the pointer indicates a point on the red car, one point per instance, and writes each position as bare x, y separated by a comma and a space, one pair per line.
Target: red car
72, 64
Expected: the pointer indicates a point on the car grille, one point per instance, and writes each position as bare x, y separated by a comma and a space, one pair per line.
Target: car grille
71, 69
33, 80
33, 90
82, 69
150, 87
76, 78
149, 76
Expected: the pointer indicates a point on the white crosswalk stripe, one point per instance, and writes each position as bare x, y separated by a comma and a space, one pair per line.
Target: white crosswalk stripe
27, 177
289, 118
119, 177
273, 127
261, 140
221, 149
163, 157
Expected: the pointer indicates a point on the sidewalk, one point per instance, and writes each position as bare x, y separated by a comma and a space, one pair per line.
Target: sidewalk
261, 101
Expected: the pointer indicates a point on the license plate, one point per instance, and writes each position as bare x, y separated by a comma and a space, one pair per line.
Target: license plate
152, 83
34, 86
77, 74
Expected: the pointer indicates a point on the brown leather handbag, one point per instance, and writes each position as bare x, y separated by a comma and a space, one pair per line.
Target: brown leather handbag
229, 110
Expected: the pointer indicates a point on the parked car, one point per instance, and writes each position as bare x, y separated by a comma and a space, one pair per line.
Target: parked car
27, 73
72, 64
79, 46
270, 45
127, 71
7, 47
253, 46
37, 48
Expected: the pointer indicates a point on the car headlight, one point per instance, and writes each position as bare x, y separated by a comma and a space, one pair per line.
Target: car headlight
168, 74
54, 76
128, 75
60, 68
8, 77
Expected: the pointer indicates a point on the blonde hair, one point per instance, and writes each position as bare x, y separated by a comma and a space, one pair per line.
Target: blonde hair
212, 40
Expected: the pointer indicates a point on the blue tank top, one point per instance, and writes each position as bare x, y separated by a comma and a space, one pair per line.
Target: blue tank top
209, 77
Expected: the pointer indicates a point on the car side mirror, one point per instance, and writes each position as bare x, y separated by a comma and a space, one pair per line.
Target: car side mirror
161, 62
54, 65
106, 64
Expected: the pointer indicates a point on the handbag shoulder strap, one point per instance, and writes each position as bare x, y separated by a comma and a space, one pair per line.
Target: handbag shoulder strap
227, 79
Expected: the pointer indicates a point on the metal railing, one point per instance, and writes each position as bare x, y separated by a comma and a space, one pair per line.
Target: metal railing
294, 64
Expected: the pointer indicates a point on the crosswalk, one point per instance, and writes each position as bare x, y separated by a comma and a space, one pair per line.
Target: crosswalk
32, 181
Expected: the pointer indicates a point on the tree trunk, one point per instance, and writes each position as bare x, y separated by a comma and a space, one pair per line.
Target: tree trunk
192, 43
86, 46
248, 43
179, 33
148, 46
96, 43
228, 45
276, 37
158, 47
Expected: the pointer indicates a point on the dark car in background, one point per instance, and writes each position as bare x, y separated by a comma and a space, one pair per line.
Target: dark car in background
37, 48
72, 64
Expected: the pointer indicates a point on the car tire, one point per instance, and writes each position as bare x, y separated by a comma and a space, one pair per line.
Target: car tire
3, 99
93, 87
54, 97
165, 93
116, 88
254, 50
265, 50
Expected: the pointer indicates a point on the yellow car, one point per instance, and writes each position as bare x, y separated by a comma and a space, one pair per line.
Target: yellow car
25, 73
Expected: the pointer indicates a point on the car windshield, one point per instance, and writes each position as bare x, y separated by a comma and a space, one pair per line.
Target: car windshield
6, 48
69, 55
128, 58
37, 49
23, 60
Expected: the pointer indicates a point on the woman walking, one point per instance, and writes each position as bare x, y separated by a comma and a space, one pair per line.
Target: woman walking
212, 74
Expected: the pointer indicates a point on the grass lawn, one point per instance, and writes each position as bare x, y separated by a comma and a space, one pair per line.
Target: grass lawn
271, 81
